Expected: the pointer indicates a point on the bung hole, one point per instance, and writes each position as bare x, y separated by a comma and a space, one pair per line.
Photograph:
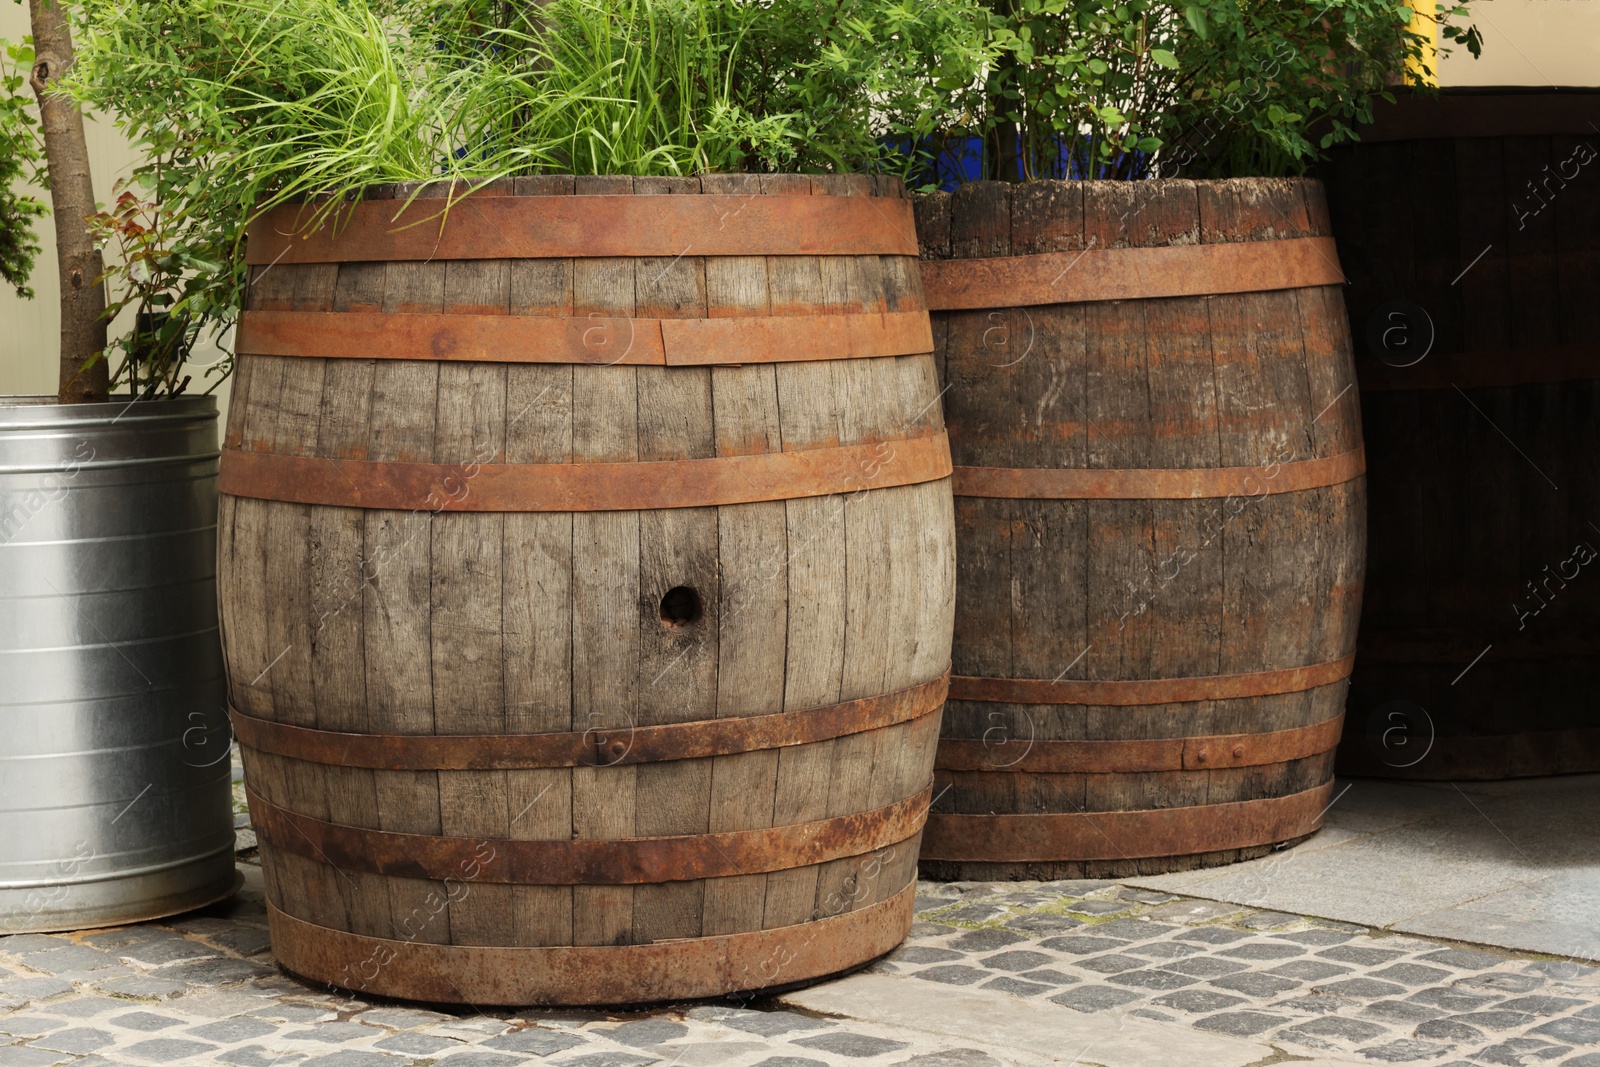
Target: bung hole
680, 606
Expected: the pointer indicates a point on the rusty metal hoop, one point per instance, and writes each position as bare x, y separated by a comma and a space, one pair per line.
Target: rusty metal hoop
1141, 691
457, 337
584, 226
524, 487
604, 974
1083, 483
617, 861
614, 746
1130, 273
1207, 752
1124, 835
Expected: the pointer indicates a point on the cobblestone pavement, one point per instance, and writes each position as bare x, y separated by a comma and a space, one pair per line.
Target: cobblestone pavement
1305, 986
204, 988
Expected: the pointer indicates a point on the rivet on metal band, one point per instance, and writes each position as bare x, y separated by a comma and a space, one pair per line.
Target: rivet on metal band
597, 747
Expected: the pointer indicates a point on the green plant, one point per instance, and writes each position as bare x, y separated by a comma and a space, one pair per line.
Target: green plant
169, 289
1078, 87
244, 104
155, 274
1264, 87
681, 86
1206, 88
20, 158
234, 106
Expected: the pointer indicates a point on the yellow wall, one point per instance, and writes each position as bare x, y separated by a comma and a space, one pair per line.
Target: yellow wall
1527, 42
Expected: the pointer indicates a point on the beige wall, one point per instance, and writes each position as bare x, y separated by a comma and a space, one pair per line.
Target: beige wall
1527, 42
1531, 42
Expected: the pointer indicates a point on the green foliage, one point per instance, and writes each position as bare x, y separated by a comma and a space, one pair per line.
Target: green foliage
687, 86
21, 158
157, 274
1220, 87
1272, 84
239, 105
1080, 88
233, 106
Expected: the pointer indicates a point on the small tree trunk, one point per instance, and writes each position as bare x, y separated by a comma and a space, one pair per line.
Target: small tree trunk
83, 298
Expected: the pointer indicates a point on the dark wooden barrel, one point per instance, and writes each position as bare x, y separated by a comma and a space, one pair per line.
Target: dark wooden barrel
1159, 522
1469, 226
587, 583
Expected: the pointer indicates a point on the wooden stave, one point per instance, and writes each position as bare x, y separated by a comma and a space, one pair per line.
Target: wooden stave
901, 755
1515, 333
1034, 220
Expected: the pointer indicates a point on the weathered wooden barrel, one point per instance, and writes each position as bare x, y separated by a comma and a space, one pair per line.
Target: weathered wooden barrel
1159, 522
1470, 228
588, 577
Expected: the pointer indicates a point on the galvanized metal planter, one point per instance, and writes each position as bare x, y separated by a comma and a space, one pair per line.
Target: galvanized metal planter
114, 795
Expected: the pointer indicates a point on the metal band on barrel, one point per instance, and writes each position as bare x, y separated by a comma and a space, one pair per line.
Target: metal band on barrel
599, 747
1129, 273
572, 227
603, 974
1141, 691
594, 339
1022, 755
1124, 835
1078, 483
526, 487
625, 861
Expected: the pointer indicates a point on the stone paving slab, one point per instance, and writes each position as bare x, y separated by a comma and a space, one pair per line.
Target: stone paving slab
1020, 1029
1514, 864
1561, 909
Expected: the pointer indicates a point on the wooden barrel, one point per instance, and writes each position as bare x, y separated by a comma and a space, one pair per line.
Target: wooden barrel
1159, 522
1470, 228
588, 577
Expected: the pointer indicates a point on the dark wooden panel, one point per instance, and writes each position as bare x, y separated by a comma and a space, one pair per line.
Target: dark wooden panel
1481, 456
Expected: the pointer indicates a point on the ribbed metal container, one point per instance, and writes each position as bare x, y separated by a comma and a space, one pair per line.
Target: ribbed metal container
114, 791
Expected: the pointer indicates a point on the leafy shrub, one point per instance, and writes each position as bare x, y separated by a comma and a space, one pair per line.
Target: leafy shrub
1207, 88
239, 105
20, 158
688, 86
157, 274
